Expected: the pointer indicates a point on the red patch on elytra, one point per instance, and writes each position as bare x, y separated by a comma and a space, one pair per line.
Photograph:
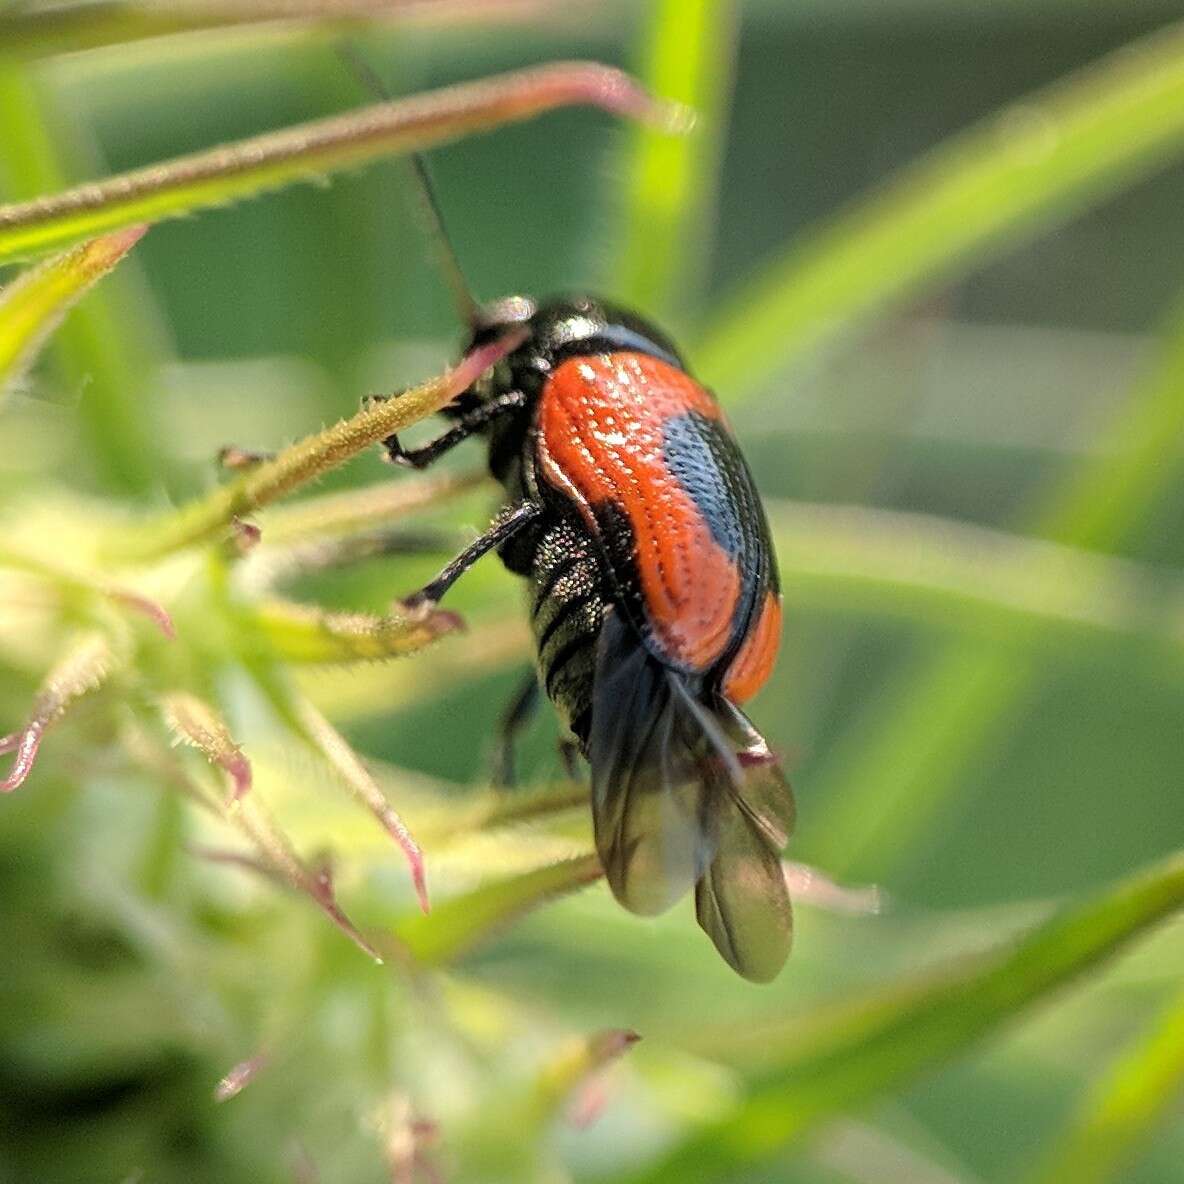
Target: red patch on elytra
750, 668
600, 423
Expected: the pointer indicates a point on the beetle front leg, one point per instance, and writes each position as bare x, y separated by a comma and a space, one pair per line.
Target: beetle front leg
511, 520
471, 422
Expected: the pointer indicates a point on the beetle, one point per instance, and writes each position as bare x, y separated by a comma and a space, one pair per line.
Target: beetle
654, 599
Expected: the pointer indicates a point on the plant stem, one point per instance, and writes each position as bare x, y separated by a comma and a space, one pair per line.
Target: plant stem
302, 462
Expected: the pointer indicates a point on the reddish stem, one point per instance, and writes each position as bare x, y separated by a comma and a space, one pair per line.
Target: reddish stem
153, 611
25, 744
239, 769
320, 888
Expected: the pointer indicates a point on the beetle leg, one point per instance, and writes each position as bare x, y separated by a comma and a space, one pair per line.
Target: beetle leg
470, 422
511, 520
516, 716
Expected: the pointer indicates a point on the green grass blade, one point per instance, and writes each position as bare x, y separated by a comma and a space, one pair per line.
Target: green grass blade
1106, 497
107, 351
1002, 587
1037, 162
670, 182
310, 150
68, 28
890, 772
844, 1058
33, 305
1123, 1108
456, 926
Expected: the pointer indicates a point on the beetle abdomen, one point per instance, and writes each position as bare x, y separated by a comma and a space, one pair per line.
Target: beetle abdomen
567, 610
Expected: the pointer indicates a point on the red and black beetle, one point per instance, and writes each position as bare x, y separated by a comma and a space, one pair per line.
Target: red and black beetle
654, 600
654, 596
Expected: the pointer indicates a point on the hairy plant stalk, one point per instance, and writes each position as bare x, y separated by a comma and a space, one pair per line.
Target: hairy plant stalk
345, 763
199, 725
84, 667
221, 175
302, 462
359, 510
87, 585
303, 633
316, 883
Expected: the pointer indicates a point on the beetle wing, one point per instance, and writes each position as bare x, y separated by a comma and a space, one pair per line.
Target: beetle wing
687, 793
644, 453
742, 901
650, 800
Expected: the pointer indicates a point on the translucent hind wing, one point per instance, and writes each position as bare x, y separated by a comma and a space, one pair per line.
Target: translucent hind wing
685, 792
765, 793
653, 786
742, 902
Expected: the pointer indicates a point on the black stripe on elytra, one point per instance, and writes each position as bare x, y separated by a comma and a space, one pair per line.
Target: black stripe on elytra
567, 608
567, 651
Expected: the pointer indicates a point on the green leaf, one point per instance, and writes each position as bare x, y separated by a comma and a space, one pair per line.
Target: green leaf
1036, 163
845, 1057
671, 181
456, 926
311, 150
33, 305
1123, 1107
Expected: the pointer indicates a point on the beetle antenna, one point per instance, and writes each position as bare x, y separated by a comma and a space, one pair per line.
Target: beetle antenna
432, 217
466, 303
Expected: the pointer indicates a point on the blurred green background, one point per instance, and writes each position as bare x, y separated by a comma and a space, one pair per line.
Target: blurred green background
976, 762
